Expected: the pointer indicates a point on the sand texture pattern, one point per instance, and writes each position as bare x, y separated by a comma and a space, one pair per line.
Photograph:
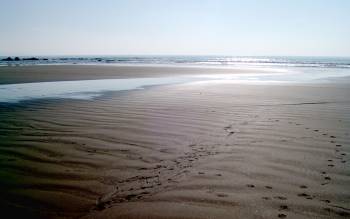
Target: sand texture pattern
180, 151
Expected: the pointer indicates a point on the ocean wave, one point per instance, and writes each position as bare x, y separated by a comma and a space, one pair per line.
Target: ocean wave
313, 62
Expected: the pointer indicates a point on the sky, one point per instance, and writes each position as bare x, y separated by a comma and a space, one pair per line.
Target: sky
175, 27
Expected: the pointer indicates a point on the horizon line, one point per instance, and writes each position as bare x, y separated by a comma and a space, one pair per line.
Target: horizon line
169, 55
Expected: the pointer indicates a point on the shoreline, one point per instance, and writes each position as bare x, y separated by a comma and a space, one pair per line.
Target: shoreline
90, 81
45, 73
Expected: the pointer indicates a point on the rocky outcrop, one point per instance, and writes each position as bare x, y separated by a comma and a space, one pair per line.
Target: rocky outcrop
10, 59
31, 59
7, 59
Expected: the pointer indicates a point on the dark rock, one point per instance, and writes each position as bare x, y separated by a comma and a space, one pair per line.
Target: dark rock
31, 59
7, 59
17, 59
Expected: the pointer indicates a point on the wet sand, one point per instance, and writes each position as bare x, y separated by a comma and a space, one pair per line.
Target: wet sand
180, 151
41, 73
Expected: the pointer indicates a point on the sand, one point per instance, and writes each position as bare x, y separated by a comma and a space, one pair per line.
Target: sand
179, 151
27, 74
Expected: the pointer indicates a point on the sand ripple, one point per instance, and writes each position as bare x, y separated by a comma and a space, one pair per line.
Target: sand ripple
180, 151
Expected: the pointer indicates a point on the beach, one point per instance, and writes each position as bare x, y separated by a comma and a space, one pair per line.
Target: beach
184, 150
45, 73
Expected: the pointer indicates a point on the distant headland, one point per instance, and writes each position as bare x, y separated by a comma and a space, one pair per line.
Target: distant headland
10, 59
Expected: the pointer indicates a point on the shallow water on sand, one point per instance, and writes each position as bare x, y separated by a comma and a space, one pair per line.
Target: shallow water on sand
88, 89
84, 89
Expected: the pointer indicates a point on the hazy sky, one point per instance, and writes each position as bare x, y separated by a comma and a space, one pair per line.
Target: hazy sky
188, 27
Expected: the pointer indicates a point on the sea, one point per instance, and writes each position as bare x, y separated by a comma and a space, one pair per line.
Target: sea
222, 61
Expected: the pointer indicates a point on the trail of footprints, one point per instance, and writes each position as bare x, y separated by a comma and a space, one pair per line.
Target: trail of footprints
158, 178
167, 173
340, 155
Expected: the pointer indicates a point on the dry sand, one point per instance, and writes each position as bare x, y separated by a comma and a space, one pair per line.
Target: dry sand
180, 151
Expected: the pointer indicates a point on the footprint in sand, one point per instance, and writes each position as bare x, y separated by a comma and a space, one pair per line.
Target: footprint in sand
326, 201
330, 165
230, 133
250, 185
282, 215
284, 207
327, 178
280, 197
266, 198
332, 136
221, 195
268, 187
303, 187
228, 127
303, 195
